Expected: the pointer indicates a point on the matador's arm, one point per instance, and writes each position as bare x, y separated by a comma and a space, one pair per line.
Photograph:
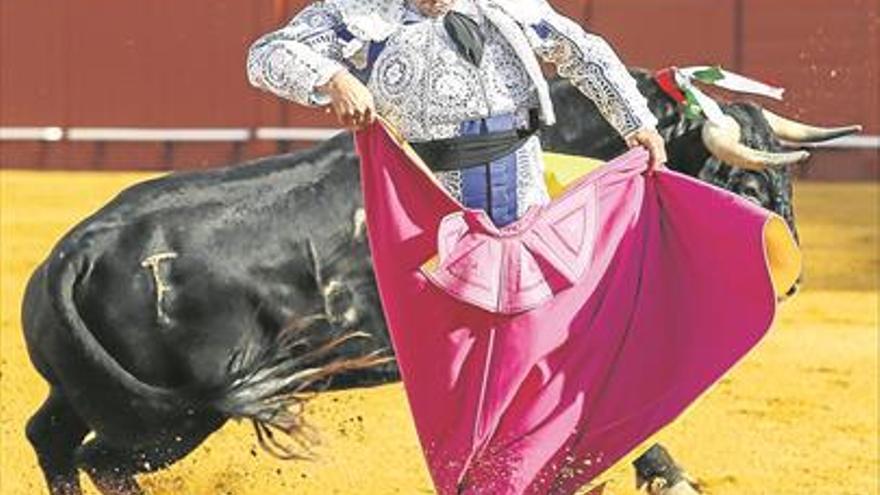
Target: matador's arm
292, 61
590, 63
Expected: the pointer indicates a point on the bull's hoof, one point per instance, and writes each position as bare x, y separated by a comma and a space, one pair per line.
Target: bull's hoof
683, 487
657, 470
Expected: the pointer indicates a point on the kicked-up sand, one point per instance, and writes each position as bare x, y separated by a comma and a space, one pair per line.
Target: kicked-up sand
799, 415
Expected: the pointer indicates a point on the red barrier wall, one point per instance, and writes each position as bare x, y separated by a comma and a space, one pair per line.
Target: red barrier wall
158, 64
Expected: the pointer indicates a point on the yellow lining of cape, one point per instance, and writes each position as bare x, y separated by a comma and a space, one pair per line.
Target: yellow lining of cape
783, 255
560, 171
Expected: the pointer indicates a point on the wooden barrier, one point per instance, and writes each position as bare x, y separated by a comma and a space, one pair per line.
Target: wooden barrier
107, 64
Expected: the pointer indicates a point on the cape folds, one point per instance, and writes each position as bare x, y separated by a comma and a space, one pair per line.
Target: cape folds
536, 355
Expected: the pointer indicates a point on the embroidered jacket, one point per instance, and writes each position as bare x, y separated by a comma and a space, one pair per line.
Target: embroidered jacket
428, 91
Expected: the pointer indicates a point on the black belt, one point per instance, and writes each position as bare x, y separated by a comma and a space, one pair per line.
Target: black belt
467, 151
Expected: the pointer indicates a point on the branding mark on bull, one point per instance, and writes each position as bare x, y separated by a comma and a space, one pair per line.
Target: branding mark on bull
152, 263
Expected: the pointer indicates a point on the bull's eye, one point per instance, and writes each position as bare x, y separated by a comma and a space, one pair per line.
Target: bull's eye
752, 187
756, 195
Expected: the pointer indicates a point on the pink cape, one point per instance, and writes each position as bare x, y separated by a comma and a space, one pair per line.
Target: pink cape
535, 356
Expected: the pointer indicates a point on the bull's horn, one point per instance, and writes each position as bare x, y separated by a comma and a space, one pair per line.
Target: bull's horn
722, 140
798, 132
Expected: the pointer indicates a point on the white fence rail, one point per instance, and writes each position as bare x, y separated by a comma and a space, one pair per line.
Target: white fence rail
166, 135
295, 133
123, 134
241, 134
31, 133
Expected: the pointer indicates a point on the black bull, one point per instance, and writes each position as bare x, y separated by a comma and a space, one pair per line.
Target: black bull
594, 137
197, 297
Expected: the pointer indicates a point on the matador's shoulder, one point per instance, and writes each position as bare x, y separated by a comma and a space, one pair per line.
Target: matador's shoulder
377, 19
525, 12
370, 19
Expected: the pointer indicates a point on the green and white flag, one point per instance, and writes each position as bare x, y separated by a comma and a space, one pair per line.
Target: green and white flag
697, 102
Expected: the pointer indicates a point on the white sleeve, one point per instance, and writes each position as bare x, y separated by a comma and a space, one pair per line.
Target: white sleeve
293, 60
590, 63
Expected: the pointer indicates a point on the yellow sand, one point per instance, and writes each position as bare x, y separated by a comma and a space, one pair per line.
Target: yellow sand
798, 416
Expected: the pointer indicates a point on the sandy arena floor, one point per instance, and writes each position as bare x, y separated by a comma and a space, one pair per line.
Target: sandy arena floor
798, 416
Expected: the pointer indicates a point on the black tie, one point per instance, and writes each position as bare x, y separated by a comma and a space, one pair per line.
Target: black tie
467, 36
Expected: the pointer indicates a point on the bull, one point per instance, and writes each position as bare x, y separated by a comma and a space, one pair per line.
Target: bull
195, 298
749, 156
234, 293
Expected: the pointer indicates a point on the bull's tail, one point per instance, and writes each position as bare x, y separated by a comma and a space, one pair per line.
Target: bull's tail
61, 277
270, 383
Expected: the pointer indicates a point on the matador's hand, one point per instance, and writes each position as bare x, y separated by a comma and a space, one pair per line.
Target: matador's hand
651, 140
350, 99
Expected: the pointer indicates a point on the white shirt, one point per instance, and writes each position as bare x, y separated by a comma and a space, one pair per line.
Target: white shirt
426, 89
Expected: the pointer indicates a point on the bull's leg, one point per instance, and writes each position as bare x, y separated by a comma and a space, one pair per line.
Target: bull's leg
55, 431
110, 468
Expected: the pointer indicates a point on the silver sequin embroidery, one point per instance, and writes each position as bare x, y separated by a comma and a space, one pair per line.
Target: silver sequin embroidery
425, 89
